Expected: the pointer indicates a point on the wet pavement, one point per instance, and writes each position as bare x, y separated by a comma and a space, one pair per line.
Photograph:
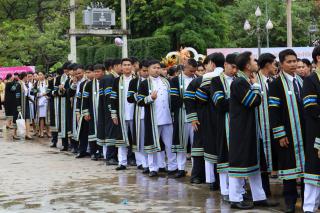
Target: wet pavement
36, 178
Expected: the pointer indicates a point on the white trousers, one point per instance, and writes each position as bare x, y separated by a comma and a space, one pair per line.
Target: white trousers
123, 151
236, 188
141, 156
157, 160
224, 183
105, 148
311, 198
209, 169
182, 156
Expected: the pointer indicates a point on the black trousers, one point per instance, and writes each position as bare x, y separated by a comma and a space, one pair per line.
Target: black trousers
65, 142
94, 148
83, 137
112, 153
54, 137
198, 169
290, 192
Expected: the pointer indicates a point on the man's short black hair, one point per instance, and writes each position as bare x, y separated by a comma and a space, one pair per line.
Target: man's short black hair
217, 58
284, 53
162, 65
80, 66
192, 62
134, 60
8, 76
306, 61
231, 58
89, 67
315, 53
172, 70
65, 65
22, 75
116, 61
126, 59
60, 71
72, 66
152, 62
243, 59
143, 63
265, 58
99, 67
108, 63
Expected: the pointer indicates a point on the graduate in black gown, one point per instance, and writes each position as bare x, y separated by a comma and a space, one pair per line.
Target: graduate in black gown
220, 95
195, 115
138, 124
267, 65
109, 145
64, 112
83, 125
91, 95
215, 68
244, 143
182, 128
54, 107
287, 124
311, 102
9, 100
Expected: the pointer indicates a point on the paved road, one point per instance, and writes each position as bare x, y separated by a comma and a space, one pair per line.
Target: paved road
36, 178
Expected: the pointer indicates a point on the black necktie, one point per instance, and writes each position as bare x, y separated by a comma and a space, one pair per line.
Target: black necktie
296, 89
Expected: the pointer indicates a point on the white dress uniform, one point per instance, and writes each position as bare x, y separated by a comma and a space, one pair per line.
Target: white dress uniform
42, 99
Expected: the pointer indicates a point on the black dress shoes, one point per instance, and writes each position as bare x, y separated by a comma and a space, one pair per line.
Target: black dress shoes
94, 157
214, 186
290, 209
132, 163
112, 162
225, 198
265, 203
153, 174
145, 171
81, 155
173, 172
180, 174
162, 170
196, 181
54, 145
140, 167
241, 205
121, 167
64, 149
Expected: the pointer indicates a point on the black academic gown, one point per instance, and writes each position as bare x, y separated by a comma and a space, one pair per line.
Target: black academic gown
10, 99
64, 108
220, 95
209, 125
286, 118
133, 98
195, 112
151, 139
53, 105
311, 102
244, 144
90, 106
177, 91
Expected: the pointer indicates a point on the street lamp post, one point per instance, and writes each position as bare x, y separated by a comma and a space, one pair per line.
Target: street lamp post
313, 28
258, 31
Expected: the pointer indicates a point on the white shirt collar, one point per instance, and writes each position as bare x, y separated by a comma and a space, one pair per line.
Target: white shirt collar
290, 77
216, 72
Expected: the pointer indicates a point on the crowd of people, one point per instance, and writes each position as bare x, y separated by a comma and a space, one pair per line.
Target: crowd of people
241, 119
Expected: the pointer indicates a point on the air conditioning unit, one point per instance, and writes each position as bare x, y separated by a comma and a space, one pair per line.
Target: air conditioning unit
99, 17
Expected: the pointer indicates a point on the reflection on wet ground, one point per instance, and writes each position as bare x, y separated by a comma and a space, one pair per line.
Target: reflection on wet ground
36, 178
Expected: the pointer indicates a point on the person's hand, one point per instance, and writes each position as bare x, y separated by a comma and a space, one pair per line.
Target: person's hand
253, 78
195, 125
115, 121
284, 142
61, 87
154, 95
87, 117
